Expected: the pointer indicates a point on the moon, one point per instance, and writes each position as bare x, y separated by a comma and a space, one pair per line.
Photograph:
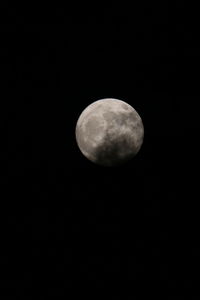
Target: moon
109, 132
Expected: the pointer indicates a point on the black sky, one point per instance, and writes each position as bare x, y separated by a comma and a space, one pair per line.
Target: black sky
68, 224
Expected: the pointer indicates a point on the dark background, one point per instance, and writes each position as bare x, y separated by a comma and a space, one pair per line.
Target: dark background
69, 226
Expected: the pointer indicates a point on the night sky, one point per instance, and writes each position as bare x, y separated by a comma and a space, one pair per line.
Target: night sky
70, 227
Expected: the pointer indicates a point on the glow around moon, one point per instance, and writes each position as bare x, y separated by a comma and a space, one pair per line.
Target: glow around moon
109, 132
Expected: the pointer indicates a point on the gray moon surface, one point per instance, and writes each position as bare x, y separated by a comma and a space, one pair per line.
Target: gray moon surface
109, 132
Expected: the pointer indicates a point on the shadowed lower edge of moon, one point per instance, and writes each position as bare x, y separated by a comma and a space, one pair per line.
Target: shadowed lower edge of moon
108, 153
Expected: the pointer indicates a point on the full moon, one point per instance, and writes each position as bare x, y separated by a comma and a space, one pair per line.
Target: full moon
109, 132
